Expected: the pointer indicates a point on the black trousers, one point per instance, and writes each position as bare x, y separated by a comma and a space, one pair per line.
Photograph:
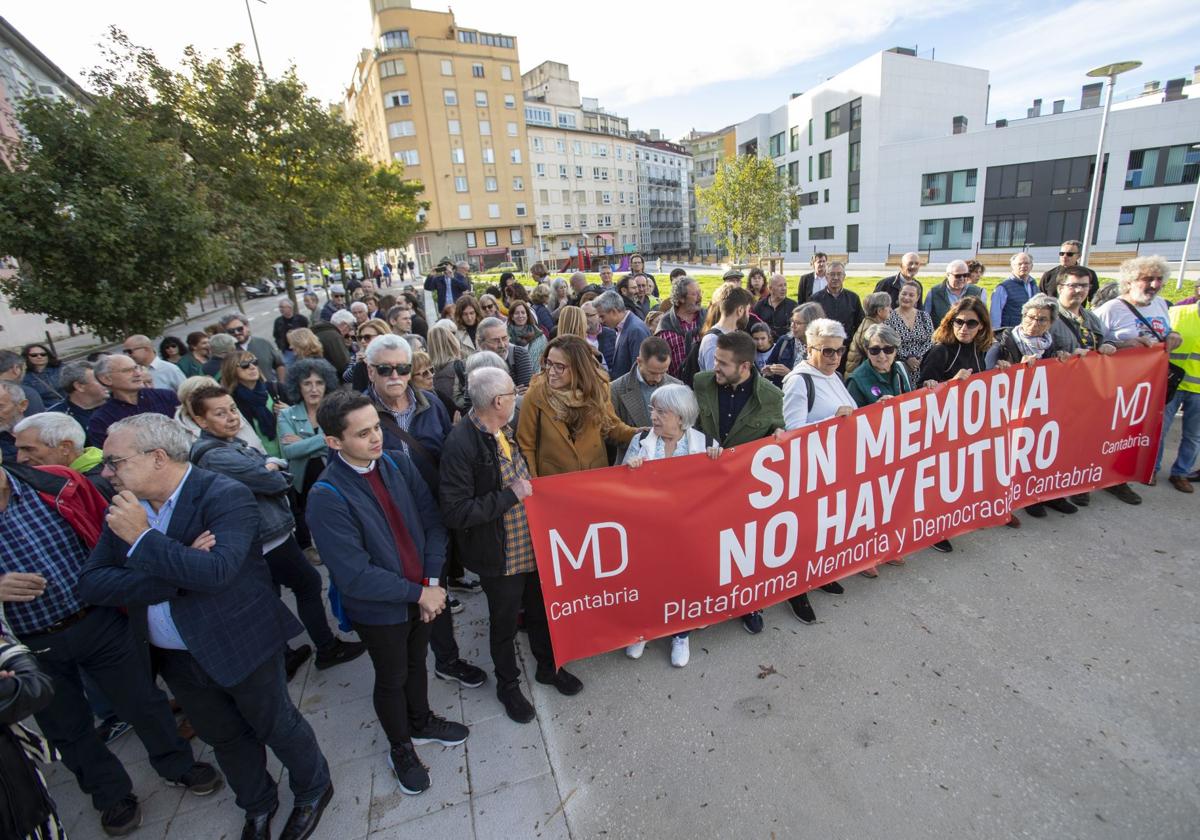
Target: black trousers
240, 721
289, 567
441, 637
506, 595
398, 653
103, 646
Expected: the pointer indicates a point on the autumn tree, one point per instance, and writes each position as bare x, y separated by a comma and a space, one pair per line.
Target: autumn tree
748, 205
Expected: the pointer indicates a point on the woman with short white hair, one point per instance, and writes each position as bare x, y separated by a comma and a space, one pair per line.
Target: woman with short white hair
673, 413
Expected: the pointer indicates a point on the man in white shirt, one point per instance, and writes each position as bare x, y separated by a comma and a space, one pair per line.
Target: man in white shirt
164, 374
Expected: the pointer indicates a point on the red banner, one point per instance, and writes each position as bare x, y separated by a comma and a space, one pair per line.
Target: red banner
688, 542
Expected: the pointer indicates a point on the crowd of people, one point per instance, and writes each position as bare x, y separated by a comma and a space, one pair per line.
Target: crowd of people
154, 504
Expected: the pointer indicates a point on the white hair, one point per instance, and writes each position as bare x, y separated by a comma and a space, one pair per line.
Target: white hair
486, 383
54, 427
678, 400
484, 358
490, 323
153, 431
344, 317
1041, 301
101, 365
358, 306
1134, 268
609, 302
824, 328
384, 343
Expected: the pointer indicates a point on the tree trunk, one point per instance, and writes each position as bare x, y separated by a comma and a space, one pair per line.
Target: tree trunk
342, 264
290, 284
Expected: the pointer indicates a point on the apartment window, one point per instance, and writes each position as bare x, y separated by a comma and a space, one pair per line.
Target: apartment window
472, 241
578, 147
538, 144
394, 67
516, 236
620, 174
521, 210
518, 183
490, 184
1004, 231
489, 238
493, 211
852, 198
398, 98
566, 119
489, 155
1154, 223
583, 221
1012, 181
606, 198
810, 177
855, 114
1182, 166
949, 187
539, 169
603, 150
458, 156
941, 234
515, 156
538, 116
485, 127
447, 67
826, 195
793, 173
450, 96
833, 123
825, 165
460, 183
510, 129
794, 139
816, 233
545, 224
855, 156
464, 211
506, 72
775, 145
567, 222
403, 128
397, 39
810, 132
600, 173
559, 145
481, 100
477, 71
510, 101
562, 171
578, 171
409, 157
454, 127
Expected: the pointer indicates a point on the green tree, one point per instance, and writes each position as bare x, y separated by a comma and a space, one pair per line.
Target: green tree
748, 205
108, 221
383, 211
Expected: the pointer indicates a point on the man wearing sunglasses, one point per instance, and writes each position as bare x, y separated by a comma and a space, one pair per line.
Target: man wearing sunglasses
270, 362
163, 374
957, 285
1068, 257
337, 300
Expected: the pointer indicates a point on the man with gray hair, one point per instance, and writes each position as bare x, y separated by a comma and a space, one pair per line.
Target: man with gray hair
56, 438
180, 550
606, 277
485, 481
12, 369
580, 286
680, 325
360, 312
83, 393
944, 295
1068, 257
630, 329
910, 264
492, 334
13, 406
126, 381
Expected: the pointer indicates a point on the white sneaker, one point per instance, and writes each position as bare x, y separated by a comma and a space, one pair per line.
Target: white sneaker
680, 653
634, 651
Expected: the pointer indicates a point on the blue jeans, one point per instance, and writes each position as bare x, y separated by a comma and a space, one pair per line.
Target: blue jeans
1189, 441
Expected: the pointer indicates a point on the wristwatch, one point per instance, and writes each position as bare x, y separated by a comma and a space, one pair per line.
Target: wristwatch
432, 582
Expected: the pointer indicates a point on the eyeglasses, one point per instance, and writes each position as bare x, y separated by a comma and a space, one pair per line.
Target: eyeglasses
129, 351
875, 351
488, 307
1034, 319
1068, 253
1074, 285
248, 363
964, 322
558, 367
387, 370
832, 352
337, 295
109, 463
961, 276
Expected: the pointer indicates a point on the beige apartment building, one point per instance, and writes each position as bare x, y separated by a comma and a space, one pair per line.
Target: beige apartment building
708, 149
447, 103
583, 173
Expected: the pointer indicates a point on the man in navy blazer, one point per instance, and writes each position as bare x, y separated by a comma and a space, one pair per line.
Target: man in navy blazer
631, 331
447, 284
180, 550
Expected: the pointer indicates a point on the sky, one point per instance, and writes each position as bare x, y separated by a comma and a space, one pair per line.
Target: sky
669, 65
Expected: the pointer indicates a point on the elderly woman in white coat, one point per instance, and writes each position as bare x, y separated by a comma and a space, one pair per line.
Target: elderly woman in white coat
673, 413
813, 392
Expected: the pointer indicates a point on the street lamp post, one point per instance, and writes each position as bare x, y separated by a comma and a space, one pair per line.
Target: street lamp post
1187, 239
1109, 71
254, 36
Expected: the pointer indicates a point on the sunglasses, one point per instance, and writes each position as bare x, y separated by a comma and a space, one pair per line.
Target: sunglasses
832, 352
387, 370
129, 351
875, 351
32, 355
961, 276
1068, 253
963, 322
233, 330
248, 363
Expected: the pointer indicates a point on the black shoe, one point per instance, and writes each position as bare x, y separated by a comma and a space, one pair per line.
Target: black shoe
293, 658
1081, 499
466, 673
454, 605
259, 827
1125, 493
516, 706
834, 588
112, 728
449, 733
1037, 511
802, 609
1061, 505
410, 773
943, 546
562, 679
337, 653
302, 822
121, 818
201, 779
753, 622
463, 585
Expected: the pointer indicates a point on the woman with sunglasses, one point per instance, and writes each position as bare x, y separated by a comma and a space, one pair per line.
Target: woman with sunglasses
172, 349
41, 372
257, 399
913, 324
491, 307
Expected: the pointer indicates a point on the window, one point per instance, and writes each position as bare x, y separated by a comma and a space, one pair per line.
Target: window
833, 124
397, 39
450, 96
538, 144
510, 129
545, 224
477, 71
567, 222
810, 133
464, 211
1182, 165
1154, 223
825, 165
941, 234
852, 198
538, 116
493, 211
489, 155
826, 195
600, 173
775, 145
1005, 231
490, 184
506, 72
562, 171
453, 127
518, 183
409, 157
481, 100
510, 101
795, 232
515, 156
578, 147
539, 169
394, 67
810, 167
521, 210
403, 128
489, 238
1012, 181
398, 98
471, 240
578, 171
460, 183
559, 145
447, 67
816, 233
583, 221
855, 114
458, 156
794, 143
855, 156
807, 199
956, 187
566, 119
515, 236
606, 198
485, 127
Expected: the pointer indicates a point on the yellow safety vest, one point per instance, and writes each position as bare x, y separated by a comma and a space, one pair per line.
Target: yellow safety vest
1185, 320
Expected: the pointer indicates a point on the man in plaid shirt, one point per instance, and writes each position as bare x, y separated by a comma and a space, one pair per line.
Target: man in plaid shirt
484, 480
680, 327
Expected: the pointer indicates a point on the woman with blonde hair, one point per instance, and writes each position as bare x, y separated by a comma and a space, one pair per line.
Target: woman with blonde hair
305, 344
445, 355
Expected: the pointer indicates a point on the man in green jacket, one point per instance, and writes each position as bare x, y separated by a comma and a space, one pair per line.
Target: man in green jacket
56, 438
737, 406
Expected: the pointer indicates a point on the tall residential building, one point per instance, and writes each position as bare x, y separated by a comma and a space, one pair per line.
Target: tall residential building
897, 154
664, 195
583, 172
708, 149
445, 101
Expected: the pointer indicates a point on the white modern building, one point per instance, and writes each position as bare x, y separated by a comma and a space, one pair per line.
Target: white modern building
664, 196
896, 154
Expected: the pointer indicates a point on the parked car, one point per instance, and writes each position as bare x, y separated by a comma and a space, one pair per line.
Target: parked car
502, 267
262, 288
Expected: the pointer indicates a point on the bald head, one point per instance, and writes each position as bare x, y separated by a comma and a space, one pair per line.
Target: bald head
910, 264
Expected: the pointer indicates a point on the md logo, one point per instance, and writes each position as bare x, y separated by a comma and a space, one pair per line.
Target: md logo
614, 549
1131, 410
